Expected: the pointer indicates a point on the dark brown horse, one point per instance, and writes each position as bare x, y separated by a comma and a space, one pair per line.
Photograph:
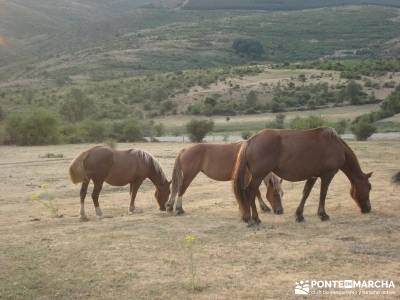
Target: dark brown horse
216, 161
118, 168
297, 155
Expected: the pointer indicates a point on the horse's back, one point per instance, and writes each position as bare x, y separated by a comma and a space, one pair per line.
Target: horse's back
217, 161
305, 153
99, 162
127, 165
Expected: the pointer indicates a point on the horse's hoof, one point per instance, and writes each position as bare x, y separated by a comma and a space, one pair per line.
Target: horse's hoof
265, 208
253, 222
324, 217
170, 209
135, 211
299, 219
83, 219
179, 211
257, 221
246, 219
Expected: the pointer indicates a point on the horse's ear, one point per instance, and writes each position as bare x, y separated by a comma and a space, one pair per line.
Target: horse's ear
369, 174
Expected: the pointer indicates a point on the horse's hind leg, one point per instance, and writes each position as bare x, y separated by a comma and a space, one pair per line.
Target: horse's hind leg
264, 207
325, 182
252, 190
98, 185
306, 192
83, 193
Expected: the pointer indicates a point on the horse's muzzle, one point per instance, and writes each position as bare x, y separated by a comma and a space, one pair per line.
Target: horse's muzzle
278, 211
366, 209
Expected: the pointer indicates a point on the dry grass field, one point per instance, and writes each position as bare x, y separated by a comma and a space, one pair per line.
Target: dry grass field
145, 255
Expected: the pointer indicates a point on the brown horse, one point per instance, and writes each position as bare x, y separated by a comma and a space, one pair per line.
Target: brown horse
118, 168
297, 155
216, 161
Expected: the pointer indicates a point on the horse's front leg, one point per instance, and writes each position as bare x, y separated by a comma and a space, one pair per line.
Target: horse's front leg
98, 185
263, 206
325, 182
306, 192
134, 187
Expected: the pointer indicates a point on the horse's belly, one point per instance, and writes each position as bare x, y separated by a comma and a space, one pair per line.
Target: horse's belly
116, 182
118, 177
299, 175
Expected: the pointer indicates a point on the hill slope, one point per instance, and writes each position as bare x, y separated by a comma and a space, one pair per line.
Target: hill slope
282, 4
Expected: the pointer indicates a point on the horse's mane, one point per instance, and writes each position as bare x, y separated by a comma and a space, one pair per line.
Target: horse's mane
351, 158
150, 161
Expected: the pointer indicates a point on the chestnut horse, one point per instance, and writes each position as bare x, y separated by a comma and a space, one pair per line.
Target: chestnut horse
297, 155
216, 161
118, 168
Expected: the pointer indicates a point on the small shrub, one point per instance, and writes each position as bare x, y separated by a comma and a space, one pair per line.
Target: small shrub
363, 130
111, 143
246, 134
307, 123
198, 129
46, 199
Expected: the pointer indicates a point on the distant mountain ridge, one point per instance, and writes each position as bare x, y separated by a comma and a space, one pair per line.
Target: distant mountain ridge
56, 38
280, 4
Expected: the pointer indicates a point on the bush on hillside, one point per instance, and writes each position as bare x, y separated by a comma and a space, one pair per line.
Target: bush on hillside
76, 106
249, 48
198, 129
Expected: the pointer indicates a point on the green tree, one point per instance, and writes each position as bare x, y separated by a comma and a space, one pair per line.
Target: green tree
2, 114
76, 106
363, 130
198, 129
249, 48
159, 129
354, 93
251, 99
132, 131
40, 127
280, 121
93, 131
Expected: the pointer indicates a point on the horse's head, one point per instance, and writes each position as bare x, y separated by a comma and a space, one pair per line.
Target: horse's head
162, 194
275, 194
359, 191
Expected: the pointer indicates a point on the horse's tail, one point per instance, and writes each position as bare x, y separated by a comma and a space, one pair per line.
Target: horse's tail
241, 177
77, 171
177, 176
396, 178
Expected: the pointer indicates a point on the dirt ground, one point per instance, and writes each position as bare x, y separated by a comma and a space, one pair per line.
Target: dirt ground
145, 255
